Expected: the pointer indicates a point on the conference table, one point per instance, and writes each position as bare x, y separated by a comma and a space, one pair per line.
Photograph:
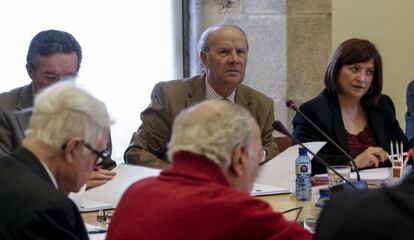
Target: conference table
286, 202
280, 203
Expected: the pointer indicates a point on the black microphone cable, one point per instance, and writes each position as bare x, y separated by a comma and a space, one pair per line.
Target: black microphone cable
278, 126
291, 105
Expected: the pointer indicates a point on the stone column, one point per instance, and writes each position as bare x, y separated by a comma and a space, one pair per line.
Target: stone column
275, 65
308, 48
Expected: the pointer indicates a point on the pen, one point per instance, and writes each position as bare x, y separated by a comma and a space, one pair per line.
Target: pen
398, 150
97, 230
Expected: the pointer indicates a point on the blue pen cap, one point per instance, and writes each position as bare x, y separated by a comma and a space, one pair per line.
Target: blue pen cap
302, 151
324, 196
324, 193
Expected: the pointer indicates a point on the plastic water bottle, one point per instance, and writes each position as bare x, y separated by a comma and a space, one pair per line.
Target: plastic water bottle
324, 196
303, 176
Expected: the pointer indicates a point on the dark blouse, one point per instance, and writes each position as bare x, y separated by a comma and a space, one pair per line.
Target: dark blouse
358, 143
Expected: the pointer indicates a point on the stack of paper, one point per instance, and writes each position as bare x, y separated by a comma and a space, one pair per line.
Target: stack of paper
374, 176
94, 229
264, 190
112, 191
90, 206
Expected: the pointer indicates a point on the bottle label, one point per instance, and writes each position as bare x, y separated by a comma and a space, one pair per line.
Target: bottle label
303, 169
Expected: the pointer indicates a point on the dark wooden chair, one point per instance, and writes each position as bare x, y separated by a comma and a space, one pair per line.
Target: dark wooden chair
282, 143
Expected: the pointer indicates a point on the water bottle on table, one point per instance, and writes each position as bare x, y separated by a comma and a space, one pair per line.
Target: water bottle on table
303, 176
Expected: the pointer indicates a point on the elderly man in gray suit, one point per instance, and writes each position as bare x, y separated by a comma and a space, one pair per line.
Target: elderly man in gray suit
52, 56
223, 51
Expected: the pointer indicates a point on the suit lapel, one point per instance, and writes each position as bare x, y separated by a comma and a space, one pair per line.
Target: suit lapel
196, 91
338, 123
23, 118
377, 127
339, 131
242, 98
23, 108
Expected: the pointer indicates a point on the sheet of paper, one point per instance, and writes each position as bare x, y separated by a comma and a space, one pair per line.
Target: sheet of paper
108, 195
89, 206
94, 229
95, 232
264, 190
373, 174
381, 174
112, 191
280, 171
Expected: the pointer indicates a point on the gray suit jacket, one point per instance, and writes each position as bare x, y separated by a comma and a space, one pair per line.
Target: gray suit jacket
14, 121
15, 114
149, 143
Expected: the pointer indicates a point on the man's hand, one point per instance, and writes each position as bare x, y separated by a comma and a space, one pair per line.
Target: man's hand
99, 177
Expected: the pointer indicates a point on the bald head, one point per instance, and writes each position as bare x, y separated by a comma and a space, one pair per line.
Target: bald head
203, 43
212, 129
223, 56
226, 134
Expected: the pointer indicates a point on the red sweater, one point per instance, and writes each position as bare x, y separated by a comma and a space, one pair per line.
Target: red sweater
192, 199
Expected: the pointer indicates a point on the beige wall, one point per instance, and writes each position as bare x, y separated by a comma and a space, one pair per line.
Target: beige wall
389, 24
308, 49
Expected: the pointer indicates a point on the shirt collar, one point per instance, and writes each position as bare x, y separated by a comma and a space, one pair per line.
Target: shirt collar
189, 165
50, 175
213, 95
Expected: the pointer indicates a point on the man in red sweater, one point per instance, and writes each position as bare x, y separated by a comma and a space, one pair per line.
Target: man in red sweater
215, 150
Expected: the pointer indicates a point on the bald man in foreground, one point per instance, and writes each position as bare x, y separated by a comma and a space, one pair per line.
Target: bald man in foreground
215, 150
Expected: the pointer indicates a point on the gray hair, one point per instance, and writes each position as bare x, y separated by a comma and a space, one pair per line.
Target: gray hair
65, 110
202, 44
50, 42
212, 129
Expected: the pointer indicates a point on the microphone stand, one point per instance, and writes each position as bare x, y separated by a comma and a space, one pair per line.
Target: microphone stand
278, 126
290, 104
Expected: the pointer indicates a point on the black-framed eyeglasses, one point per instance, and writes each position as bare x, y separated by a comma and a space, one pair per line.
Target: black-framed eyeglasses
298, 209
100, 155
104, 216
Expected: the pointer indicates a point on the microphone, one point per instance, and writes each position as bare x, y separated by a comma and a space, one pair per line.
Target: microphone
359, 185
290, 104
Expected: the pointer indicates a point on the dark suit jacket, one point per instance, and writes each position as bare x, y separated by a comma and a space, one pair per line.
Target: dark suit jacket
409, 115
14, 121
149, 144
385, 213
30, 205
325, 112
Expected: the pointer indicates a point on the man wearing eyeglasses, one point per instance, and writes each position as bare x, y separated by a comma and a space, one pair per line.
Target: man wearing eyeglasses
66, 140
52, 56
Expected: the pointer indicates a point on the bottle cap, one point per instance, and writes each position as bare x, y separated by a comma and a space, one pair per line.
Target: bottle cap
302, 151
324, 192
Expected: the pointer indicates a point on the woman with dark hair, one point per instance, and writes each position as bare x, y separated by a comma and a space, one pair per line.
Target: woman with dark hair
352, 110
